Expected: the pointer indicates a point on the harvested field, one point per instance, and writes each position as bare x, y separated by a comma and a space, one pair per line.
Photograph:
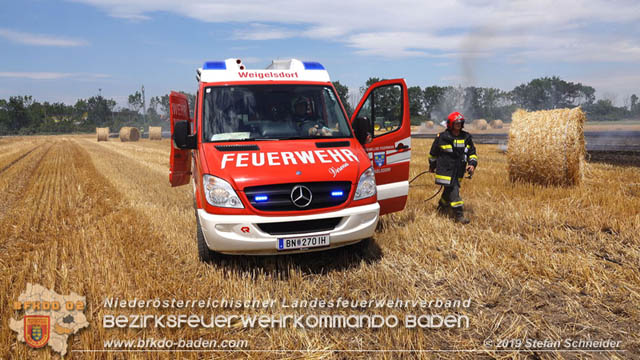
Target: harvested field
101, 220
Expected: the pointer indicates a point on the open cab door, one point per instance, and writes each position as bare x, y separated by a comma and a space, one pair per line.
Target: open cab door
386, 107
180, 170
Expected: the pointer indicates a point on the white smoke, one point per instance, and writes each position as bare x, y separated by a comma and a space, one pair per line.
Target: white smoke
453, 99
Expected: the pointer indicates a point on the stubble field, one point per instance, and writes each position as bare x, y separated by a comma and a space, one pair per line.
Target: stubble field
101, 220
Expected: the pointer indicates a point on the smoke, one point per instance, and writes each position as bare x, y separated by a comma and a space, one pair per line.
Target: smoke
472, 49
453, 99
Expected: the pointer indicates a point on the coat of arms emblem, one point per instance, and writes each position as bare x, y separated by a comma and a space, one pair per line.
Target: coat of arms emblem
36, 330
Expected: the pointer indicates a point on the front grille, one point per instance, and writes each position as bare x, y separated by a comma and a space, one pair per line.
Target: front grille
279, 196
297, 227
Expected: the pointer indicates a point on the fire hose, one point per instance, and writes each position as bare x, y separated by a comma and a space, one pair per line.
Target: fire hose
441, 186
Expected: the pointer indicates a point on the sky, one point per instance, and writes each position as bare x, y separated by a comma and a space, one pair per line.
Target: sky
61, 51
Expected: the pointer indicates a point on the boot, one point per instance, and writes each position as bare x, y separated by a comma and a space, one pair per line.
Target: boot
460, 218
442, 209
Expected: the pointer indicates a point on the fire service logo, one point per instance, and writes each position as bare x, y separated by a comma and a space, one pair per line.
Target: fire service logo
379, 159
36, 330
49, 318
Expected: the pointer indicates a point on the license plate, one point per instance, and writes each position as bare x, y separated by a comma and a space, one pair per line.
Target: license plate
303, 242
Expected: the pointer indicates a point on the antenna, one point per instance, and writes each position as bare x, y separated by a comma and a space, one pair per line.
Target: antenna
144, 107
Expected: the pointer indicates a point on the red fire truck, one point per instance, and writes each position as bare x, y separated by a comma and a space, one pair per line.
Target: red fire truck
277, 166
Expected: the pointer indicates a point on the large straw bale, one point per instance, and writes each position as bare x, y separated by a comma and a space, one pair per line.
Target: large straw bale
496, 124
129, 133
547, 147
155, 133
480, 124
426, 126
103, 134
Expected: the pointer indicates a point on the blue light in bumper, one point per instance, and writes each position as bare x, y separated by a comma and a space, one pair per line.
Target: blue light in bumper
214, 65
312, 65
260, 198
338, 193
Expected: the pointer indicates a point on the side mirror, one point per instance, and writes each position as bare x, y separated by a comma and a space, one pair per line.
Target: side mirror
181, 137
363, 128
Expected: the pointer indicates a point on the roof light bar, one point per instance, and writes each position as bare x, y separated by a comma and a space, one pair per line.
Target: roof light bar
312, 65
214, 65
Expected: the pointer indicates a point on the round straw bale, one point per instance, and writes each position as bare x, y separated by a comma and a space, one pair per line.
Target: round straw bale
479, 124
547, 147
129, 133
103, 134
155, 133
496, 124
425, 126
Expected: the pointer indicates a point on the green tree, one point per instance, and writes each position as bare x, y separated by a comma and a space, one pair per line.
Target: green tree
635, 107
37, 115
416, 107
370, 81
4, 117
164, 104
431, 97
604, 110
191, 99
99, 111
17, 112
491, 102
135, 101
552, 93
343, 93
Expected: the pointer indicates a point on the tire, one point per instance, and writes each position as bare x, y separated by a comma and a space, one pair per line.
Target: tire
204, 253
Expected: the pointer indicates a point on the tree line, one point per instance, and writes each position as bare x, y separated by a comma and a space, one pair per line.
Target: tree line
23, 115
436, 102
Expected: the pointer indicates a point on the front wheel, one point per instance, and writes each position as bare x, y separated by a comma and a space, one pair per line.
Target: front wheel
204, 253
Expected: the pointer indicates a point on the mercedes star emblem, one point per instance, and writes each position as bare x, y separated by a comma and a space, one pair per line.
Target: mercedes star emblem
301, 196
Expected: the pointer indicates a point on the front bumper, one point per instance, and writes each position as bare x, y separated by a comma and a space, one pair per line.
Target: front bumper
240, 234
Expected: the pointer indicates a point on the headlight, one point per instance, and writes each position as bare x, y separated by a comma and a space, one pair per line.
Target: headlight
366, 185
220, 193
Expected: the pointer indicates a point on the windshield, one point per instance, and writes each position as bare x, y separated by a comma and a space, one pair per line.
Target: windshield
272, 112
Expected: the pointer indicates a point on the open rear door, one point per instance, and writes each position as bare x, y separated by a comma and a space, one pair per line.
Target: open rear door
180, 171
386, 103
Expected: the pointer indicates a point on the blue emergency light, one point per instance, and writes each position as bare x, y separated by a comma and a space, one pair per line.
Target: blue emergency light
214, 65
260, 198
337, 193
312, 65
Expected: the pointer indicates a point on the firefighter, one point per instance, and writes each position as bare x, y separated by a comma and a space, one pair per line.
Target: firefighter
301, 115
452, 153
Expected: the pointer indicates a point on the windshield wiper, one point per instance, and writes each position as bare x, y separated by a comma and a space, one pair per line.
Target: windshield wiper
244, 139
295, 138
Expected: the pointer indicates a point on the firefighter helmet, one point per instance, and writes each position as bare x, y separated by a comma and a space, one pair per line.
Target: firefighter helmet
453, 117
